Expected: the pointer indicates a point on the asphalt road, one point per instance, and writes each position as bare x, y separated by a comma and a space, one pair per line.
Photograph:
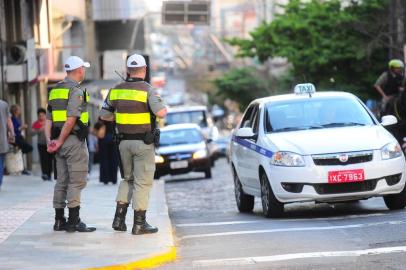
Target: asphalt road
212, 234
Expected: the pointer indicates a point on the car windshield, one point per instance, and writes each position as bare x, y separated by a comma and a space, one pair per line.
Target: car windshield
315, 113
180, 136
195, 117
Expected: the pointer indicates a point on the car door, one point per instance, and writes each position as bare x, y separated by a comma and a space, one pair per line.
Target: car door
239, 150
252, 155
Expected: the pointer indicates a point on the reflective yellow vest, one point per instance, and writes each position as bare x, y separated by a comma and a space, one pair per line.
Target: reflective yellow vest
58, 99
132, 113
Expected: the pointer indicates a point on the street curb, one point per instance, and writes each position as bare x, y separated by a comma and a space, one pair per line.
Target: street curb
150, 262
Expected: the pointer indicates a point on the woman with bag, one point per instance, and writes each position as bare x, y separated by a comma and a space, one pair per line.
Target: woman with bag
25, 147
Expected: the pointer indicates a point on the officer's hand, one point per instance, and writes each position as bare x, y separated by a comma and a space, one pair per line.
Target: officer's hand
54, 146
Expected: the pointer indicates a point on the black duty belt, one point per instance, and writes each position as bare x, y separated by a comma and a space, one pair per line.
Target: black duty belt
138, 136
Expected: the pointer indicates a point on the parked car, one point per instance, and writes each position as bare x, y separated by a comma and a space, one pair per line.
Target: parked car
308, 146
182, 149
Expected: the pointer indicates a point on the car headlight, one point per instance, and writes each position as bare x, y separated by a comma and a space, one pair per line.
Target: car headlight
391, 150
288, 159
159, 159
200, 154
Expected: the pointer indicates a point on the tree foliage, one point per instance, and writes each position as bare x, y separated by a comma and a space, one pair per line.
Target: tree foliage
334, 46
241, 85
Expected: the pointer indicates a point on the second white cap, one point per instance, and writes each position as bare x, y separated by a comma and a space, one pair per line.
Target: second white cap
136, 60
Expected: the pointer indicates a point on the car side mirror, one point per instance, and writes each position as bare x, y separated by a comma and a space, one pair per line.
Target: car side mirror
245, 133
389, 120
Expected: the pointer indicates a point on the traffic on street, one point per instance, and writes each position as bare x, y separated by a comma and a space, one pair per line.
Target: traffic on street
203, 134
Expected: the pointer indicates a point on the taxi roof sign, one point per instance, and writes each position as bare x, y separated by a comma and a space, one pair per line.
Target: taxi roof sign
305, 88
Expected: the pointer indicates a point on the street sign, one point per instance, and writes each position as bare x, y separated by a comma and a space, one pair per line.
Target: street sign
186, 12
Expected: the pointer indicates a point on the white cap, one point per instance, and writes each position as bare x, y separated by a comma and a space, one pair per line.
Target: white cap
136, 60
74, 62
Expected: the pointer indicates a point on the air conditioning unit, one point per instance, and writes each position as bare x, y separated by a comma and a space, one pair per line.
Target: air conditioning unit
21, 62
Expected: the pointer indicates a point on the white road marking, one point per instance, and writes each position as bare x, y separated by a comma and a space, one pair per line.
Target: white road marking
295, 256
218, 223
399, 222
335, 218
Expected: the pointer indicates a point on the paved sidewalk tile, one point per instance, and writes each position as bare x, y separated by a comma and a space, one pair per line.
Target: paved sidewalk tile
27, 240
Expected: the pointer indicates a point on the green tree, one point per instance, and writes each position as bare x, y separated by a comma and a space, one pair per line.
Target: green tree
335, 47
241, 85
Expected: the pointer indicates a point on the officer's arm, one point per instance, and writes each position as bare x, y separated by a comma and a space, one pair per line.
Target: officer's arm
107, 110
157, 104
67, 128
48, 126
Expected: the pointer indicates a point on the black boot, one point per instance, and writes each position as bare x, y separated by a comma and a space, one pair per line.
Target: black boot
140, 224
74, 223
119, 217
60, 220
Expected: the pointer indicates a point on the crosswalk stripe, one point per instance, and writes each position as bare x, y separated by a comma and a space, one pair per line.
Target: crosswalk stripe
295, 256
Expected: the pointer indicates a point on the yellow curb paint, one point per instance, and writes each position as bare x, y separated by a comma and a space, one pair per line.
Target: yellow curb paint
150, 262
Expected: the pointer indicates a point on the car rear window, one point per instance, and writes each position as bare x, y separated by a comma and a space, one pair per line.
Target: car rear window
180, 136
195, 117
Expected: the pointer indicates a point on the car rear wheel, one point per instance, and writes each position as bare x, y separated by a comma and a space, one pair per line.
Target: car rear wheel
396, 201
245, 202
271, 207
207, 172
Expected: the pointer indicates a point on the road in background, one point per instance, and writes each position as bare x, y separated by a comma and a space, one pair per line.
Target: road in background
212, 234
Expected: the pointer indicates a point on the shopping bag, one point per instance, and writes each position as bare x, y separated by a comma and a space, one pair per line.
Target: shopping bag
14, 161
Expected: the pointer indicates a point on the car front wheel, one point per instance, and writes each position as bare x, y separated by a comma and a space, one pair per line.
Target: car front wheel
396, 201
245, 202
271, 207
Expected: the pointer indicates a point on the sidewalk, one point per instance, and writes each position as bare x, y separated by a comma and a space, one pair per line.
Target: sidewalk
27, 240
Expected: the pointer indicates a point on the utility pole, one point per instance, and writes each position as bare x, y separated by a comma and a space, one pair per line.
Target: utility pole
90, 48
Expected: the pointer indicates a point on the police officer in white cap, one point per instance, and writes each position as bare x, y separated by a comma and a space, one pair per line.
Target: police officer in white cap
66, 130
134, 106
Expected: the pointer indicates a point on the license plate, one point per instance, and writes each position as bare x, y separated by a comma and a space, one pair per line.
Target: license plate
179, 164
348, 176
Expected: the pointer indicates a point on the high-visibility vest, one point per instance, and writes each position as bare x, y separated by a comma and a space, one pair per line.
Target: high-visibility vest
130, 100
58, 99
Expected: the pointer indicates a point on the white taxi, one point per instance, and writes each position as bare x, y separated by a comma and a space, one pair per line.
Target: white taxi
314, 146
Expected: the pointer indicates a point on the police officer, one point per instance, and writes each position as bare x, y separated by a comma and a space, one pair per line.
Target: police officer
66, 130
133, 105
391, 81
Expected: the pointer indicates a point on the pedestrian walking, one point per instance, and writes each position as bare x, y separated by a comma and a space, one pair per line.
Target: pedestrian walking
67, 126
38, 128
108, 156
6, 135
133, 105
19, 127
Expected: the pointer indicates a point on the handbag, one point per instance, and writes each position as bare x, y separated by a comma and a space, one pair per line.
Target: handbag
14, 161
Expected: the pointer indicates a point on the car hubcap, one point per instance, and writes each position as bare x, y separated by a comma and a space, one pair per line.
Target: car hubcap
265, 195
